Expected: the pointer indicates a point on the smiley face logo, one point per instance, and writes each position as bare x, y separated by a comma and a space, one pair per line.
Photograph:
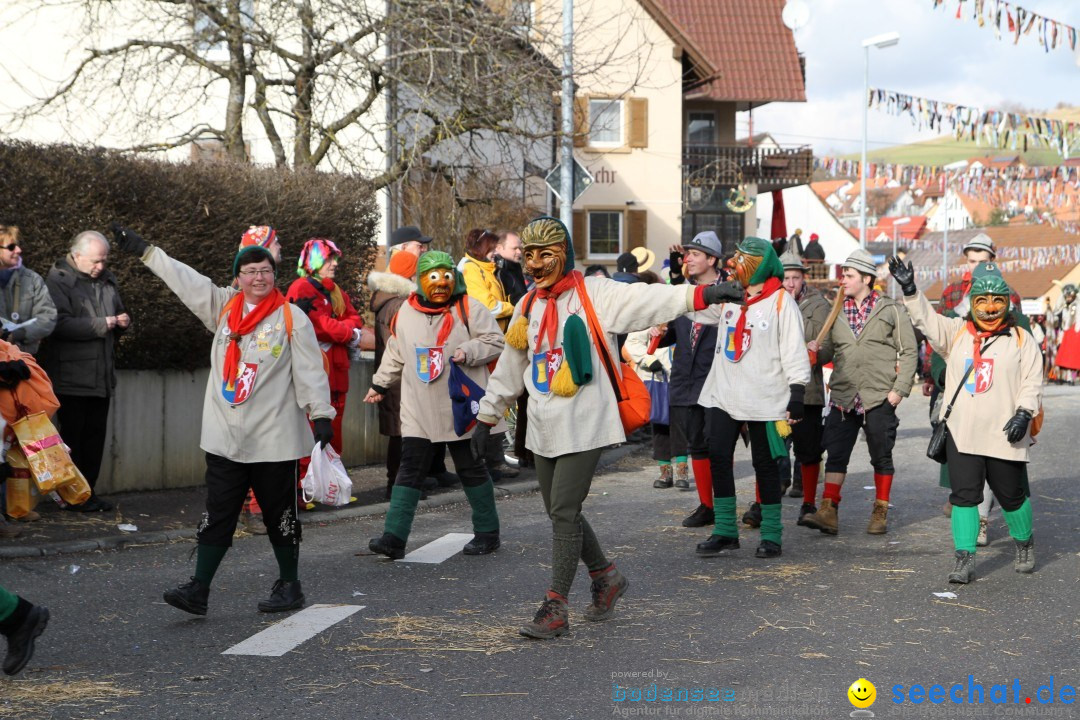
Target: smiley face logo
862, 693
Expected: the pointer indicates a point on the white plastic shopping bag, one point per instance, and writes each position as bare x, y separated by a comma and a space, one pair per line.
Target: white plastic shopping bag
326, 481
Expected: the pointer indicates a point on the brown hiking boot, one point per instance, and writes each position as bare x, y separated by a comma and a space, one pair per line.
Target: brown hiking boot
664, 481
606, 590
552, 620
824, 519
682, 476
878, 516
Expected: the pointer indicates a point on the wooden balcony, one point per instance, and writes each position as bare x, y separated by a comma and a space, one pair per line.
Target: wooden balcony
771, 168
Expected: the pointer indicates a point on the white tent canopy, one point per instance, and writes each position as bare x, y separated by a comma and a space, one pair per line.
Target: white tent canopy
805, 210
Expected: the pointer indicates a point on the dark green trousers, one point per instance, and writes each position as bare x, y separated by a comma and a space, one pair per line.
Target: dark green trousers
564, 484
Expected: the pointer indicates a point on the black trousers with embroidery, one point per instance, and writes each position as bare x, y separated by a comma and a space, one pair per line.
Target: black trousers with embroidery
227, 483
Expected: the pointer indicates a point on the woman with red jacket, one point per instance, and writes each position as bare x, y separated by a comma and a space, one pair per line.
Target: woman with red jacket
337, 324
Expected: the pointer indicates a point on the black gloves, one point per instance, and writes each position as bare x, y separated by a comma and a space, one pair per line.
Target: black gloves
655, 366
479, 441
795, 408
904, 274
1016, 428
14, 372
128, 240
305, 304
675, 268
730, 291
324, 431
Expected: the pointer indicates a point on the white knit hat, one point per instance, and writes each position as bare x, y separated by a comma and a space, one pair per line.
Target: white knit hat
862, 261
981, 241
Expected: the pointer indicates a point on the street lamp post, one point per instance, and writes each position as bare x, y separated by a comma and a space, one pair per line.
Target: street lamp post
896, 223
878, 41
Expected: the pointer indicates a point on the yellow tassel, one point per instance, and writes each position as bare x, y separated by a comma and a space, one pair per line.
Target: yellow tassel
563, 382
783, 429
518, 334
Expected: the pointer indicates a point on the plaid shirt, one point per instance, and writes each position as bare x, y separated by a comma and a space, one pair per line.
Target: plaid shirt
857, 314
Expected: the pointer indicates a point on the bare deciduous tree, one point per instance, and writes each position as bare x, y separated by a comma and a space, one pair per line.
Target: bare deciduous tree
354, 85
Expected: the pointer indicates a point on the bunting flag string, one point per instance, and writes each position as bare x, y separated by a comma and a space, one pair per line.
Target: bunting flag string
995, 128
1013, 21
1042, 193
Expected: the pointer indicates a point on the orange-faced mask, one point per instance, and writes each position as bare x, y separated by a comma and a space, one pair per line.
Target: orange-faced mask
545, 263
437, 285
745, 267
989, 311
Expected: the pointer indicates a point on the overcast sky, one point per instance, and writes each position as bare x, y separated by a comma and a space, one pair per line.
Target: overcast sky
938, 57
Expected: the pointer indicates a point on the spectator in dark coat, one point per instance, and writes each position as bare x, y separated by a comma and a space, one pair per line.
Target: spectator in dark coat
79, 356
814, 250
508, 265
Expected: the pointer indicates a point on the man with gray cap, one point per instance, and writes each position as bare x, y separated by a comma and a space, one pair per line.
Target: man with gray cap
874, 354
701, 260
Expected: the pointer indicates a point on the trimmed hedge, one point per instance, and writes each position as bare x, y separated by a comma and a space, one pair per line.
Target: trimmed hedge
194, 211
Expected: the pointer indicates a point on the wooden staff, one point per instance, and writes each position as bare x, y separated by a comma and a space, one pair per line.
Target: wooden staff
837, 306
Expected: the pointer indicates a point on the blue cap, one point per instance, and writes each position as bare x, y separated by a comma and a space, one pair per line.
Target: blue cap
464, 399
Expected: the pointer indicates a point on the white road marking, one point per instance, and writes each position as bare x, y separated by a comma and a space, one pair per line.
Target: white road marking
436, 551
282, 637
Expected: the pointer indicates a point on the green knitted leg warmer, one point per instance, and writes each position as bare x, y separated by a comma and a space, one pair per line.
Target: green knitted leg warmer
771, 528
399, 518
965, 527
485, 518
724, 512
1019, 521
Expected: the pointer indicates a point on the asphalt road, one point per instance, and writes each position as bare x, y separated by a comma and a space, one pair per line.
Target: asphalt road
762, 638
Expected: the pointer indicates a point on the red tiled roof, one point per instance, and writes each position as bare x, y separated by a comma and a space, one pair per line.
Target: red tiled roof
753, 53
914, 227
825, 188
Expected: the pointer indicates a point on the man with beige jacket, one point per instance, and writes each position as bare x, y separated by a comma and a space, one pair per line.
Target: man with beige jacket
266, 378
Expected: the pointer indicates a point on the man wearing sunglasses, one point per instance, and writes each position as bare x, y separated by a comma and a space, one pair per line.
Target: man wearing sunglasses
26, 309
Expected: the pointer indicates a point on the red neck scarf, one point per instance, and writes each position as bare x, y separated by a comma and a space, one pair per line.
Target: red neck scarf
444, 310
979, 336
771, 286
549, 323
241, 324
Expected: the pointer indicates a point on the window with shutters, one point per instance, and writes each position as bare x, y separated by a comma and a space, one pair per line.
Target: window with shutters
606, 123
605, 233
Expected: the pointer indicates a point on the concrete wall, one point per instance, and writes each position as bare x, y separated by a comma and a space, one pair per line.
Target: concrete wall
156, 419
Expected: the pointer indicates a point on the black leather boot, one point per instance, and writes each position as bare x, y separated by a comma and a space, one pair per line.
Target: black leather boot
285, 595
190, 597
483, 543
388, 545
717, 545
